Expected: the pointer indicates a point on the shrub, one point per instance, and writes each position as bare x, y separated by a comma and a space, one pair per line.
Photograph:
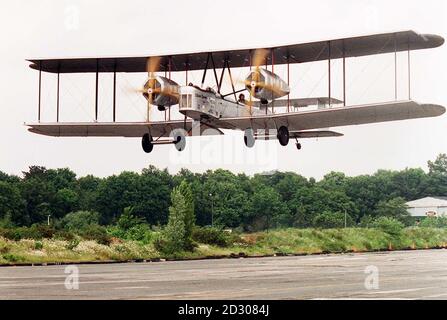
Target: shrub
72, 244
79, 220
40, 231
434, 222
127, 220
38, 245
11, 234
141, 232
159, 242
366, 222
35, 232
211, 236
332, 220
12, 257
96, 233
389, 225
4, 248
64, 235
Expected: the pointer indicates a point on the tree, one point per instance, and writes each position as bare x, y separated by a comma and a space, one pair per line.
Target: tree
312, 201
334, 181
11, 203
225, 198
332, 220
189, 218
439, 166
38, 196
410, 184
65, 201
438, 176
266, 210
395, 208
174, 233
88, 192
9, 178
147, 193
80, 220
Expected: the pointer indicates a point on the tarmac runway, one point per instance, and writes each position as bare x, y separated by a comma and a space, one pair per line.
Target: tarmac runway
395, 275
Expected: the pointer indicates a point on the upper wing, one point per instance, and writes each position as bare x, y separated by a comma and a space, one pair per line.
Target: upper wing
337, 117
295, 53
115, 129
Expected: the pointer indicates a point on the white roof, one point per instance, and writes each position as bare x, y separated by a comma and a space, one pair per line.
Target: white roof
428, 202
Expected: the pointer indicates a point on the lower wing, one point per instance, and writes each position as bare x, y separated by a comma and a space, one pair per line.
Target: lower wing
337, 117
116, 129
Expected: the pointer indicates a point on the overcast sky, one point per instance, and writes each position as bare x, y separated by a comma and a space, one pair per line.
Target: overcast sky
64, 28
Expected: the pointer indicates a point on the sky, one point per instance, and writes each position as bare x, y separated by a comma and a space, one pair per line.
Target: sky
66, 28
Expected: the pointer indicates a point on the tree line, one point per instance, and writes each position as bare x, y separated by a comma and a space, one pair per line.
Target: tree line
221, 198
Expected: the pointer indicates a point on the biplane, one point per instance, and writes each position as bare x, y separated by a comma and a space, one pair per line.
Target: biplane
267, 112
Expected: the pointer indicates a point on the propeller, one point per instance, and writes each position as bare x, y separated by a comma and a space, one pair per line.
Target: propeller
152, 65
153, 87
259, 57
255, 81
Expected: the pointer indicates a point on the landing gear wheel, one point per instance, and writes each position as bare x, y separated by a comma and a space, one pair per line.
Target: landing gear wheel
298, 146
179, 140
249, 138
147, 144
283, 136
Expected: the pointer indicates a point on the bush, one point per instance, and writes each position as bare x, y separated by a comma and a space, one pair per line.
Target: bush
4, 248
35, 232
96, 233
40, 231
11, 234
141, 232
367, 222
212, 236
332, 220
127, 220
389, 225
79, 220
434, 222
38, 245
72, 244
64, 235
13, 258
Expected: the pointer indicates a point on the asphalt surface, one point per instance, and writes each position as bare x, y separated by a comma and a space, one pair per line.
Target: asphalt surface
401, 275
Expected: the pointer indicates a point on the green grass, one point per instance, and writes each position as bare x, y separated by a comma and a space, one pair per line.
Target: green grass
276, 242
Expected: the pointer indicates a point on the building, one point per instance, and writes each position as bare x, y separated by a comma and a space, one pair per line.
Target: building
430, 206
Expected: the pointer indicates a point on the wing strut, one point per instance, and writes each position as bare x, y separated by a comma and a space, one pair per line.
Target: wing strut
97, 90
40, 92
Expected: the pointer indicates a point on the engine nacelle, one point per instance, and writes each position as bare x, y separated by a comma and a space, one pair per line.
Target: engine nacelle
267, 85
161, 92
